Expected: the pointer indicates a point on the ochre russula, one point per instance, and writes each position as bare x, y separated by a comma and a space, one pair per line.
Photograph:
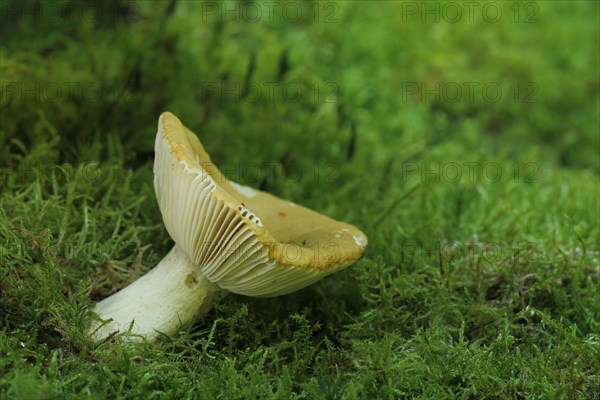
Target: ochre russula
228, 238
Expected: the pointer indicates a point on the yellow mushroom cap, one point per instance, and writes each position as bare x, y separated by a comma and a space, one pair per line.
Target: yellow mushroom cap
245, 240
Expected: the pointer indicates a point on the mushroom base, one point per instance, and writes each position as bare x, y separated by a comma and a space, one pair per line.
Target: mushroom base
173, 294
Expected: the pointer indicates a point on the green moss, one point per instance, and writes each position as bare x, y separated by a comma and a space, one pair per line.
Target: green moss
482, 273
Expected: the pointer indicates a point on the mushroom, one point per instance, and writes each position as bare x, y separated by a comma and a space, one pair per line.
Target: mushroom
228, 238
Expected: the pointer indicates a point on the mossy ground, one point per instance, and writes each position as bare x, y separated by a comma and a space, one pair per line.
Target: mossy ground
483, 285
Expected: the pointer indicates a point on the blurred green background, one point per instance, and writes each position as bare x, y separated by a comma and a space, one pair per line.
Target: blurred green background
462, 137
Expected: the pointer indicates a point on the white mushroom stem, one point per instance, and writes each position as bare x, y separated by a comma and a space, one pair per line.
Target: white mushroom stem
173, 294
